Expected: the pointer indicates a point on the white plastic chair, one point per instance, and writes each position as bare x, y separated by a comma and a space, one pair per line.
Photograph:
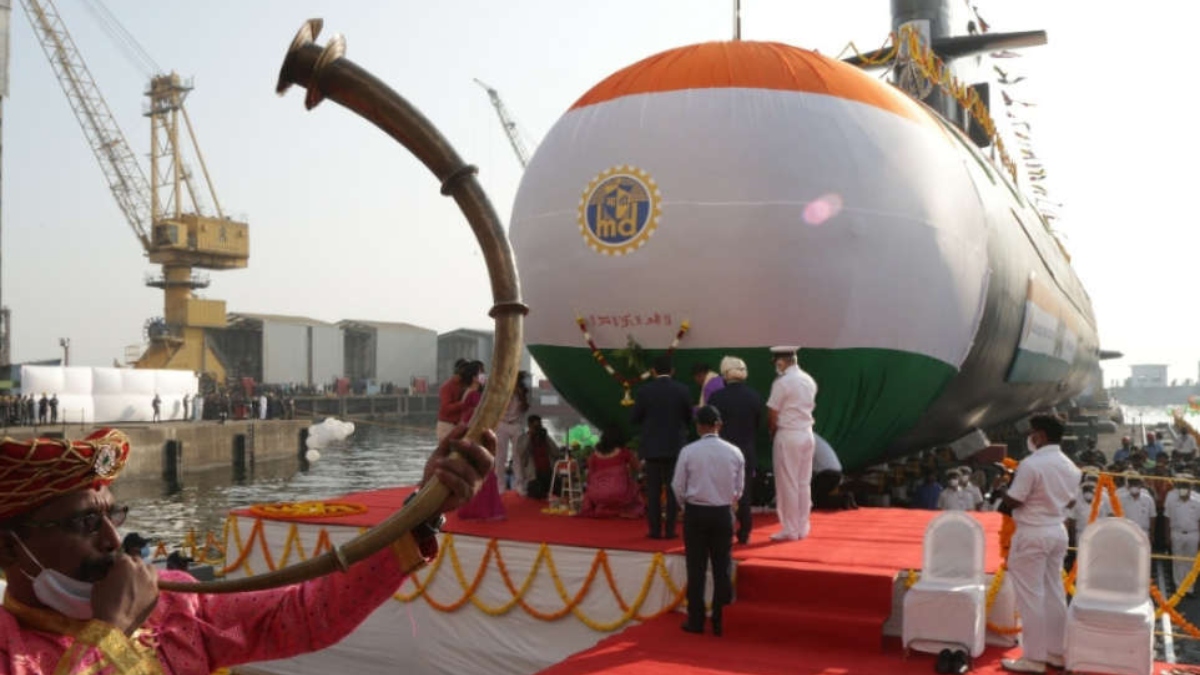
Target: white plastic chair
947, 607
1110, 623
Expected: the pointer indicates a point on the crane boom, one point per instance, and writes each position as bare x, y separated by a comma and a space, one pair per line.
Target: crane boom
510, 125
121, 170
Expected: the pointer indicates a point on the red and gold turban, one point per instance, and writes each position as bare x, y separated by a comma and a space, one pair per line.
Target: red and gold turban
34, 472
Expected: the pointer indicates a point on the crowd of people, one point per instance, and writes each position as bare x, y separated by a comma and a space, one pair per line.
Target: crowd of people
26, 410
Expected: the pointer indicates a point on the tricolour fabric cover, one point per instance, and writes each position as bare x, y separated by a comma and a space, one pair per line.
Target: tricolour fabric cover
947, 607
1110, 623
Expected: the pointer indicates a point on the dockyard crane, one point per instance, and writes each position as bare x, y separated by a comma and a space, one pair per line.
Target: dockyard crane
509, 124
177, 238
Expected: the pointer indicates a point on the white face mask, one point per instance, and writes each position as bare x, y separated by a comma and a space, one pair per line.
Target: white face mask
66, 595
1088, 496
1030, 444
1135, 491
481, 378
954, 483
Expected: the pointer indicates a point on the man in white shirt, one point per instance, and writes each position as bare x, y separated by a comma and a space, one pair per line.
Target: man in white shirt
790, 421
1186, 447
708, 480
957, 496
1082, 512
1042, 492
1136, 502
1182, 510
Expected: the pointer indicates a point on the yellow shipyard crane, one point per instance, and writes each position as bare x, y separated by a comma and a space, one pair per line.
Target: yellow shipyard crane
178, 236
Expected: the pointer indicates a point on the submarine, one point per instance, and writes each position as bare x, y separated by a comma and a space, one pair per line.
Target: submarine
720, 198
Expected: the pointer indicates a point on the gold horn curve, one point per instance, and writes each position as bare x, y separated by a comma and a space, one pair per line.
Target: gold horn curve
325, 74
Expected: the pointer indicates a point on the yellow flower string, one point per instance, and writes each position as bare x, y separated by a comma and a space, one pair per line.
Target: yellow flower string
626, 382
470, 584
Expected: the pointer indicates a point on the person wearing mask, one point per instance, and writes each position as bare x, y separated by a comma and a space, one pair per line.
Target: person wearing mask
451, 400
790, 421
77, 603
956, 496
509, 429
741, 409
707, 482
1137, 504
1182, 513
1040, 497
487, 503
929, 493
537, 452
1185, 449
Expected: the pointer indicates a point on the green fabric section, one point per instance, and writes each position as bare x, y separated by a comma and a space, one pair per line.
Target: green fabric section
866, 398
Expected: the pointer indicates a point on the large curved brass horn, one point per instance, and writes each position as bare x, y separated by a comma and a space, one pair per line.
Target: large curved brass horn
325, 74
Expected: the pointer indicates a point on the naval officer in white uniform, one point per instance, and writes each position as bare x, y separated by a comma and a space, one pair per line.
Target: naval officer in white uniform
790, 420
1182, 509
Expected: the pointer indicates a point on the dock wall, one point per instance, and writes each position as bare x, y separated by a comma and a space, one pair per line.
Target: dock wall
169, 450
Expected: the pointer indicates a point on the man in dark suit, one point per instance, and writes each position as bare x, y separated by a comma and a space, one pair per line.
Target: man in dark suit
663, 410
741, 410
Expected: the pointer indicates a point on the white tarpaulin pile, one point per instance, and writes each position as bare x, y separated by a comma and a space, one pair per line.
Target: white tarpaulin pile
90, 395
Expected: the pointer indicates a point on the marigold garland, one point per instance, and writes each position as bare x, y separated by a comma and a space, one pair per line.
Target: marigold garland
305, 510
626, 382
630, 610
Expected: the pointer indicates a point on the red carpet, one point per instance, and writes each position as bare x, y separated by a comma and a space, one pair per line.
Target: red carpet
886, 540
815, 606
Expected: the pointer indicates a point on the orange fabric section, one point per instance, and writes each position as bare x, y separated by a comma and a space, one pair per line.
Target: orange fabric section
757, 65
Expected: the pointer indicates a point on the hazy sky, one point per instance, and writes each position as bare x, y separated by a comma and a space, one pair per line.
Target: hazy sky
345, 224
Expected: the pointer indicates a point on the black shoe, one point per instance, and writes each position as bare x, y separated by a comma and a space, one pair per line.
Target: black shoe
654, 535
689, 628
717, 623
960, 663
943, 664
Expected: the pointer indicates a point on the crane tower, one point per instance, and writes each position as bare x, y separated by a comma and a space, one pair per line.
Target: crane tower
509, 124
165, 212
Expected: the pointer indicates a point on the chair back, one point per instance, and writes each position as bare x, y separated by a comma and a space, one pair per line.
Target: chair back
1114, 562
954, 549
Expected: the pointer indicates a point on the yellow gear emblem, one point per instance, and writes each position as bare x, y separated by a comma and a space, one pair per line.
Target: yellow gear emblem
619, 210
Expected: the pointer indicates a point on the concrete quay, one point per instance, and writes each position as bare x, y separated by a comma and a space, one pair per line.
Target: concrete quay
168, 450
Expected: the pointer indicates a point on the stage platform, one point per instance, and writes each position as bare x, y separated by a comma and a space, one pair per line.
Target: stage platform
538, 592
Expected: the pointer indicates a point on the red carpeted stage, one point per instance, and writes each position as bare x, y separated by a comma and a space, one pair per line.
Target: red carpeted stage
812, 606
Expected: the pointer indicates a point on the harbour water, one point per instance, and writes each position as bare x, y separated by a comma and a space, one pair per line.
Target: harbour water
373, 457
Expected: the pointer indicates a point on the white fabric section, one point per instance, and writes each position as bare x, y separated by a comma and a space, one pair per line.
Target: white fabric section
959, 499
947, 606
1003, 613
416, 639
895, 260
1110, 625
792, 460
110, 394
793, 397
1035, 565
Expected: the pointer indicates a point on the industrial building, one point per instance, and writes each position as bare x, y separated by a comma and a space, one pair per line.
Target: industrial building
278, 349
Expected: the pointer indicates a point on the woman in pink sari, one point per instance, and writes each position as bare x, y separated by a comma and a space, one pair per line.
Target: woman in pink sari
486, 505
612, 487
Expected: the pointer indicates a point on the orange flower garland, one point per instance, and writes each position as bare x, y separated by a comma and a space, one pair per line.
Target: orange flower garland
626, 382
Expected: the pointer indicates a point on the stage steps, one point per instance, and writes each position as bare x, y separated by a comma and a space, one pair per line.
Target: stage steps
812, 603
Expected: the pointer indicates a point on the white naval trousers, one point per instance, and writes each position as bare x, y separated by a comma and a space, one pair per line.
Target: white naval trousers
506, 437
1183, 544
1035, 566
792, 460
